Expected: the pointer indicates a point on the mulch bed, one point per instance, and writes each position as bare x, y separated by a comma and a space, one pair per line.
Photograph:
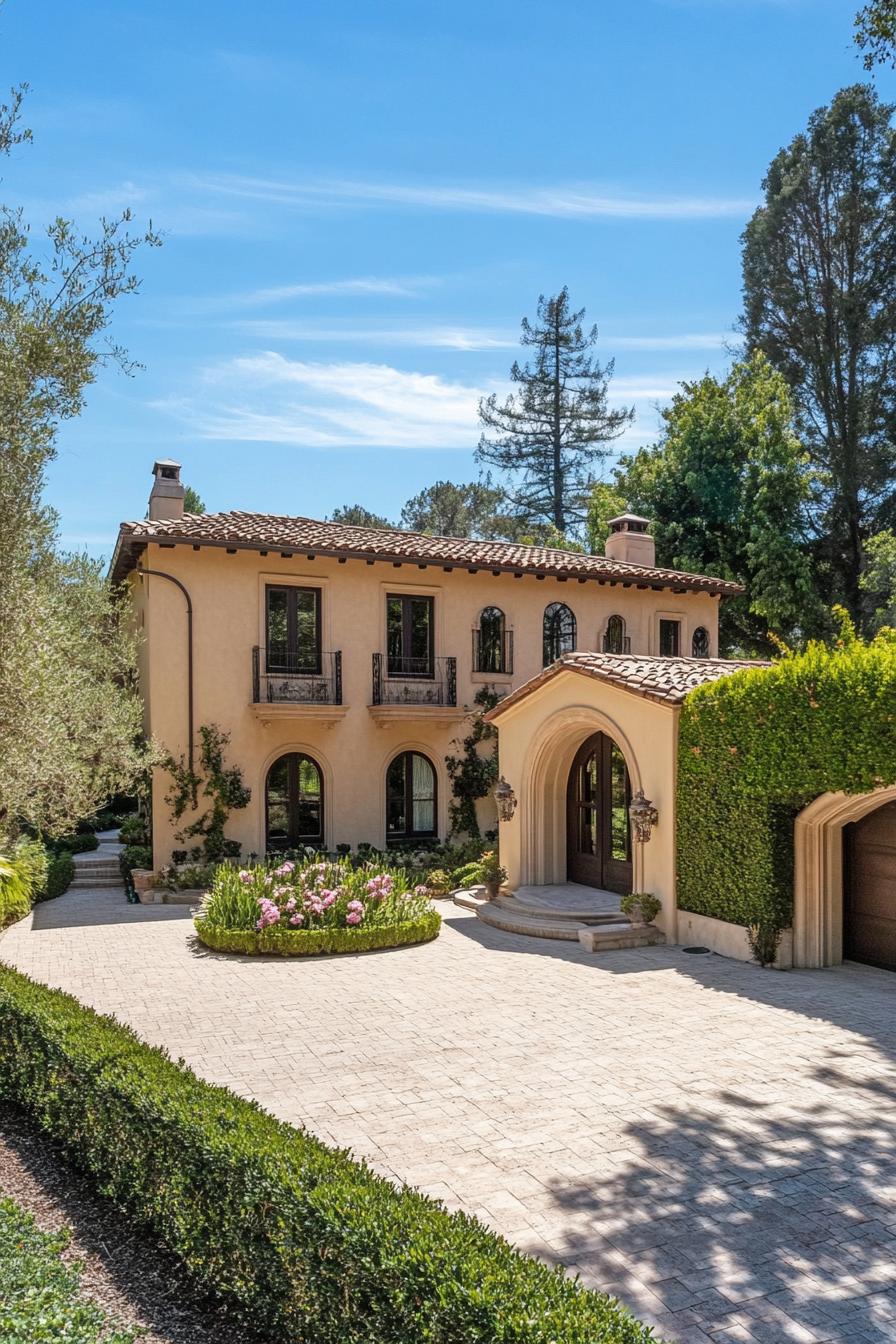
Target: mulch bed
130, 1274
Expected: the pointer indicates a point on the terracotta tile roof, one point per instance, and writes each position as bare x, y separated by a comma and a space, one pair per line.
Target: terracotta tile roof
667, 680
264, 531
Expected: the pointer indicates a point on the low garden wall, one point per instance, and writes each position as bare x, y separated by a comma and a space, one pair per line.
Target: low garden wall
758, 746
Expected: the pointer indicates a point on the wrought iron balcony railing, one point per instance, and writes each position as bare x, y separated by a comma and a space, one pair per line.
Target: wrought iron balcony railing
414, 681
617, 646
287, 678
493, 655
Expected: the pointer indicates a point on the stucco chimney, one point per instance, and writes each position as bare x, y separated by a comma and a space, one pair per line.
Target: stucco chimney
630, 540
166, 499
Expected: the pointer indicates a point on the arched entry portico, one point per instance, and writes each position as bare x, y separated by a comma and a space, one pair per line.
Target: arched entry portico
818, 873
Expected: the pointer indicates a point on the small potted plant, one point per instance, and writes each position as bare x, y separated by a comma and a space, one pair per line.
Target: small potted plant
642, 907
491, 873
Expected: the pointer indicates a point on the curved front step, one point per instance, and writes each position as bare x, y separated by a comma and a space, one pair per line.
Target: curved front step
559, 914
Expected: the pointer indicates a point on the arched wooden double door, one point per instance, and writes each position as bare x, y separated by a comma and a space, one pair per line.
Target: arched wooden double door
598, 834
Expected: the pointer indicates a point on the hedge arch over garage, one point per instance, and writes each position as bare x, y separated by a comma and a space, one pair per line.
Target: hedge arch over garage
758, 746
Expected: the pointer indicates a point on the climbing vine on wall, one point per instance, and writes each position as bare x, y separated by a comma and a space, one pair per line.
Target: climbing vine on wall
473, 772
223, 787
756, 747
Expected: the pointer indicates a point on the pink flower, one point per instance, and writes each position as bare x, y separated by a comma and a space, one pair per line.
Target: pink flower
244, 876
421, 891
353, 917
285, 869
291, 903
355, 905
296, 920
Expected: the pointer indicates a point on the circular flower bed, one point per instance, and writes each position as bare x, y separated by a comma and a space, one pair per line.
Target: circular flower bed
300, 909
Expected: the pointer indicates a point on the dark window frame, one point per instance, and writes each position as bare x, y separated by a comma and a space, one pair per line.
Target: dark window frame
407, 760
611, 620
294, 838
499, 669
670, 625
552, 635
292, 590
406, 599
701, 653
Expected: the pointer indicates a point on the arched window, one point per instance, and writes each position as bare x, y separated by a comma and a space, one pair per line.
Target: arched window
410, 797
700, 643
490, 642
614, 636
559, 632
294, 803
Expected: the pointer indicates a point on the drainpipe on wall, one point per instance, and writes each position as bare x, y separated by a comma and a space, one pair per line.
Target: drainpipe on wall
160, 574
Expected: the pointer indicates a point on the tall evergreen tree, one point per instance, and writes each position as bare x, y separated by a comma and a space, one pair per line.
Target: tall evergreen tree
819, 273
548, 435
355, 515
725, 491
467, 510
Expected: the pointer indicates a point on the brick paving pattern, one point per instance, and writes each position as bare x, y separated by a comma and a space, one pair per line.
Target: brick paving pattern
712, 1143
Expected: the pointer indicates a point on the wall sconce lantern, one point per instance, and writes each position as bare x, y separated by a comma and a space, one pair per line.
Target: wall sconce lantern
644, 817
506, 800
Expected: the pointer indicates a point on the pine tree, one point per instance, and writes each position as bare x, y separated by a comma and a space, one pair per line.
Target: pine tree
549, 434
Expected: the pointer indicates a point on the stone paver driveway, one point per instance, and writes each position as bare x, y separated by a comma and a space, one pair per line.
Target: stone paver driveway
713, 1143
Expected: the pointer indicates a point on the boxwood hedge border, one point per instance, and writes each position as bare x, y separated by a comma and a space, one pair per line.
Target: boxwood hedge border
301, 1239
759, 745
318, 942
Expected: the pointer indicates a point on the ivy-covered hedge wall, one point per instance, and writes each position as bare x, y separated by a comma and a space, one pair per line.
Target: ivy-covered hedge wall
755, 748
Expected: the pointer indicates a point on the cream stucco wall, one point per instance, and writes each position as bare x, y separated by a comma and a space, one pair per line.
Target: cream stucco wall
227, 592
537, 740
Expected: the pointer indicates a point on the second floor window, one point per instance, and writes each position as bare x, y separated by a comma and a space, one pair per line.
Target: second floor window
670, 639
559, 635
490, 651
410, 635
614, 636
293, 629
700, 642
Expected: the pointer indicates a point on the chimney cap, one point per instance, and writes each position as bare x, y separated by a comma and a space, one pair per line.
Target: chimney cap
629, 522
160, 465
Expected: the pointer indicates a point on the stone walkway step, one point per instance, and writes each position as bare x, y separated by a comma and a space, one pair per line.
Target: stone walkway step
556, 914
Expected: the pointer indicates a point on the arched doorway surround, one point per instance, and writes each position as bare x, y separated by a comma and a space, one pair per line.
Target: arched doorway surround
549, 760
818, 872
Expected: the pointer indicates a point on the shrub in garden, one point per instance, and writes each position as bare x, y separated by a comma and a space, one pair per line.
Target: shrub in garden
134, 831
134, 856
78, 844
307, 1243
60, 875
39, 1294
15, 893
318, 906
32, 863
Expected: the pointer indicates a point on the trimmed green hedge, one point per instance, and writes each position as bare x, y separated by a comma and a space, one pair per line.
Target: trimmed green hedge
758, 746
82, 843
313, 942
306, 1242
40, 1299
60, 876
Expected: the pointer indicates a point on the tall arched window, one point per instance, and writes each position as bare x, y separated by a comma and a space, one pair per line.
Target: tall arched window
490, 642
614, 635
559, 632
294, 803
410, 798
700, 643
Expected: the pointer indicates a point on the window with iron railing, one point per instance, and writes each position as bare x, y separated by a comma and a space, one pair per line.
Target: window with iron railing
492, 643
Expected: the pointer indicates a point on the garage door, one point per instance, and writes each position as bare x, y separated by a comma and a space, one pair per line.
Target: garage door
869, 914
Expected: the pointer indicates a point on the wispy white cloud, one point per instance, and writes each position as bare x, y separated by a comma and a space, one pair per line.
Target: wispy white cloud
365, 285
576, 201
267, 398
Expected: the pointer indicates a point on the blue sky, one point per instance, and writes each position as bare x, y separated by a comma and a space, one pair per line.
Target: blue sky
361, 199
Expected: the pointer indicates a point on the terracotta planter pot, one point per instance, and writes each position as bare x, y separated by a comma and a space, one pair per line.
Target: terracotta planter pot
491, 889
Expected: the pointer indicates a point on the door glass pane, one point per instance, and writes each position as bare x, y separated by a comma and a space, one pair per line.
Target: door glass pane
588, 832
419, 618
619, 829
591, 779
394, 640
309, 812
308, 654
395, 808
278, 804
423, 795
277, 636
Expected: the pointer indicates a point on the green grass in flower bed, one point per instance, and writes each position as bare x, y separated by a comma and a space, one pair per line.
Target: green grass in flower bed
312, 942
40, 1301
306, 1242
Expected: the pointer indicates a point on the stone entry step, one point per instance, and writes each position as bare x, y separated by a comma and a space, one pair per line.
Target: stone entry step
561, 916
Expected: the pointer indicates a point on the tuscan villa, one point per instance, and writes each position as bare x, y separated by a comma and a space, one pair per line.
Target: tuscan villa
343, 660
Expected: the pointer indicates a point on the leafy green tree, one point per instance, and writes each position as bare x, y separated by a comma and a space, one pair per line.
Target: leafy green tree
449, 510
355, 515
876, 33
192, 501
548, 435
69, 712
819, 270
604, 502
725, 490
879, 578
